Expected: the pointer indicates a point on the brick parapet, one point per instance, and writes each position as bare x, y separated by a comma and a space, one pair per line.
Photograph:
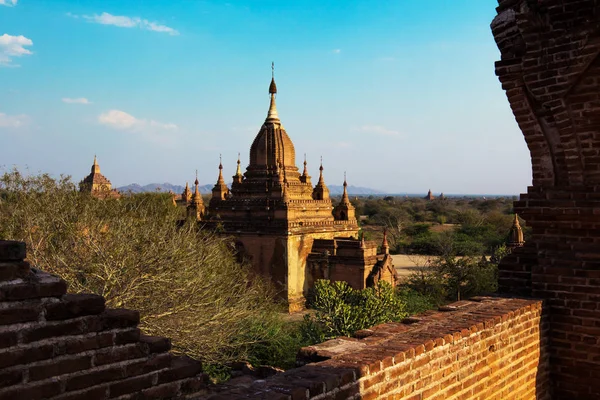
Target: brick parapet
550, 70
55, 345
488, 348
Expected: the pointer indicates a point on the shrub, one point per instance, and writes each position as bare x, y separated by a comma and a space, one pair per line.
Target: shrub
341, 310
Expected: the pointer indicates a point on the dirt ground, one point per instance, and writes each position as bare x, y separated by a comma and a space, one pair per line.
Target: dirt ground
407, 264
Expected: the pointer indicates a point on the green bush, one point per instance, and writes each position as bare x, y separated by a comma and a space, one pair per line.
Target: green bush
341, 310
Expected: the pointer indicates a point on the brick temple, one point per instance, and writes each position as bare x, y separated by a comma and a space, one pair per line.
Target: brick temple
284, 226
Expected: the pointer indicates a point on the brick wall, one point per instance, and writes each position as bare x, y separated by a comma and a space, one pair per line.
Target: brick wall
550, 70
55, 345
491, 348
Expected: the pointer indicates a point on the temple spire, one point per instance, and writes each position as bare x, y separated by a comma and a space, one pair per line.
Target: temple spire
385, 247
515, 238
345, 198
220, 179
272, 115
305, 172
238, 171
187, 194
321, 172
321, 192
95, 166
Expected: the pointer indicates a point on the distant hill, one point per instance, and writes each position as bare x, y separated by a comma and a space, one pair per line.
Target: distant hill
162, 187
334, 190
352, 190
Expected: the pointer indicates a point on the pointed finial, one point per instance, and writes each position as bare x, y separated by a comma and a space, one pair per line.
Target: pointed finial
516, 220
196, 181
384, 245
345, 198
238, 171
95, 166
220, 162
272, 86
321, 167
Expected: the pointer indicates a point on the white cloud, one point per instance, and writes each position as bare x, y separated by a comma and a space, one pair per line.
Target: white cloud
151, 129
8, 3
379, 130
343, 145
79, 100
127, 22
13, 46
13, 121
336, 51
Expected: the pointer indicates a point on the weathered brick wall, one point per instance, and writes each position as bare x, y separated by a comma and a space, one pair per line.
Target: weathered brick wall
550, 71
55, 345
492, 348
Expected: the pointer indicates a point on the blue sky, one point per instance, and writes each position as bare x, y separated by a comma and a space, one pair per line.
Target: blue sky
400, 94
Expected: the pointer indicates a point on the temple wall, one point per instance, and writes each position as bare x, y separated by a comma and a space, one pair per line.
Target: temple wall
299, 279
492, 348
550, 70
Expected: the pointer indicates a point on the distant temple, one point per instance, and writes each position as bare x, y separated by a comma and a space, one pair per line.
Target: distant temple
515, 238
429, 196
97, 184
288, 229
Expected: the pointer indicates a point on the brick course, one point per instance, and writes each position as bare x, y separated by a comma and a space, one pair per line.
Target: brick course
55, 345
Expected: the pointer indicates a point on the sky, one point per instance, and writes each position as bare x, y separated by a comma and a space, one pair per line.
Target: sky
401, 95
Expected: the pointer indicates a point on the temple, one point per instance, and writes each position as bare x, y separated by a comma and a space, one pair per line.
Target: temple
286, 228
97, 184
515, 237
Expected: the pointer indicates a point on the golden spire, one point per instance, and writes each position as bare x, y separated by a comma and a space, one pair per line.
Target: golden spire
305, 172
272, 115
95, 166
220, 179
196, 192
321, 172
362, 240
238, 172
345, 198
187, 193
516, 234
385, 247
516, 221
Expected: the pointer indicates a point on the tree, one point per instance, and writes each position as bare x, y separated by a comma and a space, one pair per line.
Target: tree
465, 276
186, 283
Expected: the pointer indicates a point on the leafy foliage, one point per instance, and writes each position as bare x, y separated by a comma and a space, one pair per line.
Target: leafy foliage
186, 283
341, 310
